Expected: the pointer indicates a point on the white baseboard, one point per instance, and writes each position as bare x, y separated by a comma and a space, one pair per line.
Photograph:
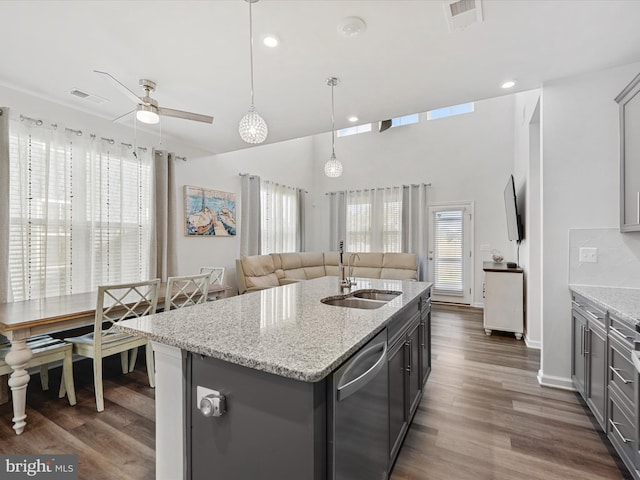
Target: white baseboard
562, 383
532, 343
478, 305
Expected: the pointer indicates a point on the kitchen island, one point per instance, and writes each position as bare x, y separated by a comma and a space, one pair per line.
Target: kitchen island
273, 355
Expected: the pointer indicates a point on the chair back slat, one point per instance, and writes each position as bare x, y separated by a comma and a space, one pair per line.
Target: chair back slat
123, 301
217, 274
186, 290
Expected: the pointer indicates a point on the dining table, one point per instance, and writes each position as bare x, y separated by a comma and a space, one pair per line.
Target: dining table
23, 319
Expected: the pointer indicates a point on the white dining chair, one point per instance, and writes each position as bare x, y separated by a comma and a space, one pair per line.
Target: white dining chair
116, 303
45, 350
186, 290
217, 274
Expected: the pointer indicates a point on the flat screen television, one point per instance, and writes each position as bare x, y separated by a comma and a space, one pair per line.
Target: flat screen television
514, 227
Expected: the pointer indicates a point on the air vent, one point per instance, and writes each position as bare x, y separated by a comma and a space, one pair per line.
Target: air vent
76, 92
462, 13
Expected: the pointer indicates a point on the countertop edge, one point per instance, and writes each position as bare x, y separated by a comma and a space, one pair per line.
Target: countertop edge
584, 290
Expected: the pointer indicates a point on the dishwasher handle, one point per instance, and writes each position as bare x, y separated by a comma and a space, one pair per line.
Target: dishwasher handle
349, 388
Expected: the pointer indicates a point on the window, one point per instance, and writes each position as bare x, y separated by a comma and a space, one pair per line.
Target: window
406, 120
279, 218
448, 258
374, 220
450, 111
80, 213
353, 130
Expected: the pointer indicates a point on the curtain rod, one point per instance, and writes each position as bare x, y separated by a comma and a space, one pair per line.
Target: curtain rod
38, 122
177, 157
379, 188
271, 182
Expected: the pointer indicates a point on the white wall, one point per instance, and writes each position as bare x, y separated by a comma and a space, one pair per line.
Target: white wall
465, 158
289, 163
527, 181
580, 189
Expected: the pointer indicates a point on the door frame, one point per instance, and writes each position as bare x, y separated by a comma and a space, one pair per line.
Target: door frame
468, 242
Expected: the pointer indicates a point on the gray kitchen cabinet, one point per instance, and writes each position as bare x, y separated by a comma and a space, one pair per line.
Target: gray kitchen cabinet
425, 337
409, 356
629, 102
579, 357
597, 368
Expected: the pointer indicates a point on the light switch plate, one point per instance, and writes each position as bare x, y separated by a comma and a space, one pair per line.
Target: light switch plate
485, 247
588, 255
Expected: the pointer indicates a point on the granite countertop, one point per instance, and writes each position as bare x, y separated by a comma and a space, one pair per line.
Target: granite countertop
622, 302
283, 330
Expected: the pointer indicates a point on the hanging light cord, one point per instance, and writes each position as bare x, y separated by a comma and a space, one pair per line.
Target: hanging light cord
333, 126
251, 47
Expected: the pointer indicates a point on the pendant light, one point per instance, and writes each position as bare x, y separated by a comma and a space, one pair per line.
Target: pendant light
333, 167
252, 128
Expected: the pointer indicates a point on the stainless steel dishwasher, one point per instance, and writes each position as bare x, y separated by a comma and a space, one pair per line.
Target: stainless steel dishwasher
358, 415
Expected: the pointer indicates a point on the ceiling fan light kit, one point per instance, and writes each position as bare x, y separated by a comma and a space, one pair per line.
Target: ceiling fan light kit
147, 114
252, 128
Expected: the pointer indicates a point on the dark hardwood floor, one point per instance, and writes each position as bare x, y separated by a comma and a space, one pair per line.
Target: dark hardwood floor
483, 416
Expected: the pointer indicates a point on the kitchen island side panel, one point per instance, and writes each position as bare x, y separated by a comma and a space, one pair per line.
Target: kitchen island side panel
274, 427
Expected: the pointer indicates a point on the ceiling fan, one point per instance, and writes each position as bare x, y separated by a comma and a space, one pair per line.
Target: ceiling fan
148, 110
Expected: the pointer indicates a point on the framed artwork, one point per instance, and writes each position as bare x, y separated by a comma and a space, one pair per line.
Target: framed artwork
209, 212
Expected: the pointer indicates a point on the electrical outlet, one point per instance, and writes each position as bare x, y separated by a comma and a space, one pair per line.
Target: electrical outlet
588, 255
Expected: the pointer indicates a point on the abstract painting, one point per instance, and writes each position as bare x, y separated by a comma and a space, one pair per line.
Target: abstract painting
209, 212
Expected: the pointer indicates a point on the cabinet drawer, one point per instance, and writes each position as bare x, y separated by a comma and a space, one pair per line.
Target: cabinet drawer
621, 330
399, 325
621, 371
620, 429
588, 308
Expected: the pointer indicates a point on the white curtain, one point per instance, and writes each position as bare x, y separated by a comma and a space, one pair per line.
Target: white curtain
337, 218
4, 204
250, 215
415, 224
280, 218
80, 211
163, 257
373, 220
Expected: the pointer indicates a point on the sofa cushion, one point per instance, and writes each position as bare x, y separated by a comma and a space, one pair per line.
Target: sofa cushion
303, 265
259, 271
400, 266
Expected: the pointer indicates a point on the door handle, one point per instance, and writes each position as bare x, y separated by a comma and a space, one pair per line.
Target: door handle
349, 388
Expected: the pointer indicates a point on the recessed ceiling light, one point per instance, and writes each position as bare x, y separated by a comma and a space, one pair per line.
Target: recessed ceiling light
271, 41
353, 118
352, 26
508, 84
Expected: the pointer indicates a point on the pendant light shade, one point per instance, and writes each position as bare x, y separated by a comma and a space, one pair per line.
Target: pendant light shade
252, 128
333, 167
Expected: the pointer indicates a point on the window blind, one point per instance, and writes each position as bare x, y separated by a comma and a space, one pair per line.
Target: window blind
80, 212
279, 218
448, 252
374, 220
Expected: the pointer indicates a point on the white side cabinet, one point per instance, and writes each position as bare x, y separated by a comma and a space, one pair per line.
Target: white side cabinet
503, 299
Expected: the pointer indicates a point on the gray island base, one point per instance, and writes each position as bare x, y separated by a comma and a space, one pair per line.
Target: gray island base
275, 384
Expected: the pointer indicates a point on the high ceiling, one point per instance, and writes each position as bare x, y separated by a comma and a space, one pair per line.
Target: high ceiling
405, 61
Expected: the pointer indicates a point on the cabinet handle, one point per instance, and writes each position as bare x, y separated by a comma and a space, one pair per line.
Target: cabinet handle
408, 344
615, 370
587, 339
620, 333
582, 340
422, 324
638, 208
615, 427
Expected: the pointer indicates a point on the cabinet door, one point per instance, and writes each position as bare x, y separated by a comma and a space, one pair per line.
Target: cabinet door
398, 419
425, 345
413, 369
629, 101
503, 309
578, 362
597, 371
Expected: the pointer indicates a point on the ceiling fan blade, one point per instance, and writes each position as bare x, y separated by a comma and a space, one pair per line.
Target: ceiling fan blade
169, 112
124, 89
124, 115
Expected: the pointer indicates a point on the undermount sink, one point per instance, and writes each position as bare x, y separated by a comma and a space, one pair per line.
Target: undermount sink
376, 294
364, 299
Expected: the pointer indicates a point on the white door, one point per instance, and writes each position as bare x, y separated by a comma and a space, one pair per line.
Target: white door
450, 252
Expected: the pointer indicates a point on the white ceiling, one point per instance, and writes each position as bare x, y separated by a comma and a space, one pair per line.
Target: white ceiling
406, 61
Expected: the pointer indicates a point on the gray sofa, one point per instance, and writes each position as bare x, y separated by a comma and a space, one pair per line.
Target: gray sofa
257, 272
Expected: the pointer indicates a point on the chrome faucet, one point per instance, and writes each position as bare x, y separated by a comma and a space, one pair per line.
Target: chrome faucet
344, 280
350, 279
